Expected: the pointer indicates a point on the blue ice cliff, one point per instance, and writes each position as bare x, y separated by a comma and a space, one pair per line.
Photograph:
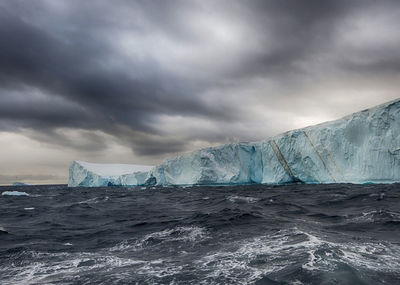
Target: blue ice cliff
360, 148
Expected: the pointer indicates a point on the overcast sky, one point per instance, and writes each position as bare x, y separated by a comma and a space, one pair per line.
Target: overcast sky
137, 81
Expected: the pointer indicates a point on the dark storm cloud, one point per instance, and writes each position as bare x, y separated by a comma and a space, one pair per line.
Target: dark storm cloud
91, 66
73, 70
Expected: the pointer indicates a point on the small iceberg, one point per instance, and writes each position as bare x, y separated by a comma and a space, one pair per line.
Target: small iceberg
20, 184
14, 193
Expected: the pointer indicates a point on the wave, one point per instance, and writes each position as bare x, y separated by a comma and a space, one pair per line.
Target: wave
375, 216
251, 259
186, 234
44, 268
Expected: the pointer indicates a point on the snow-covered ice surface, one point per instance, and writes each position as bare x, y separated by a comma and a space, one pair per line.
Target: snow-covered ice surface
95, 174
360, 148
109, 170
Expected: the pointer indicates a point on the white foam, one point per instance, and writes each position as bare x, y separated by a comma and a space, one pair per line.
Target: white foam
374, 215
235, 199
288, 247
190, 234
238, 262
63, 265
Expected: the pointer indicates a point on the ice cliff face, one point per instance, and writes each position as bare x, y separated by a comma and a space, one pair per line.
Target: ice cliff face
361, 148
227, 164
94, 175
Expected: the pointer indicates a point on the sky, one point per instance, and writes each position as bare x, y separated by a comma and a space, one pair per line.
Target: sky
138, 81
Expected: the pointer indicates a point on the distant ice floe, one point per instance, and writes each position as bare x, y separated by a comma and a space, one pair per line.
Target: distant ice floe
20, 184
14, 193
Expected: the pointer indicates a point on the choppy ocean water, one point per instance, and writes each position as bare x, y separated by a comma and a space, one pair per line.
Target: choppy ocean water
293, 234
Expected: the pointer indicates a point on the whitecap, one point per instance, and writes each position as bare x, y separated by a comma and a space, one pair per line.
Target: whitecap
94, 200
190, 234
373, 216
245, 199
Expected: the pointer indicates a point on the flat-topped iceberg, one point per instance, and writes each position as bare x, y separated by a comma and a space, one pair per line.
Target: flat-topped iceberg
95, 174
360, 148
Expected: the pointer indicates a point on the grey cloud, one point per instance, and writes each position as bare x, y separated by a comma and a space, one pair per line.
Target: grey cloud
70, 53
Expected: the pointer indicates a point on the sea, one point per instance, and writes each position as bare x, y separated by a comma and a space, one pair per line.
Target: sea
253, 234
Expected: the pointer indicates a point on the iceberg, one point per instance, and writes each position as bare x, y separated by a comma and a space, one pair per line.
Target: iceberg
96, 175
20, 184
360, 148
14, 193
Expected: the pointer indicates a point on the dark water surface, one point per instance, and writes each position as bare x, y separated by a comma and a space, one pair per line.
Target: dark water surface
294, 234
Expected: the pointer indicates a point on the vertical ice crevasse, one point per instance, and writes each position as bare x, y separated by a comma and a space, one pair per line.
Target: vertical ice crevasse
282, 160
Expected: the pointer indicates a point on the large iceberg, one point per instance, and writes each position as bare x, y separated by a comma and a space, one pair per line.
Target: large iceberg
360, 148
95, 174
